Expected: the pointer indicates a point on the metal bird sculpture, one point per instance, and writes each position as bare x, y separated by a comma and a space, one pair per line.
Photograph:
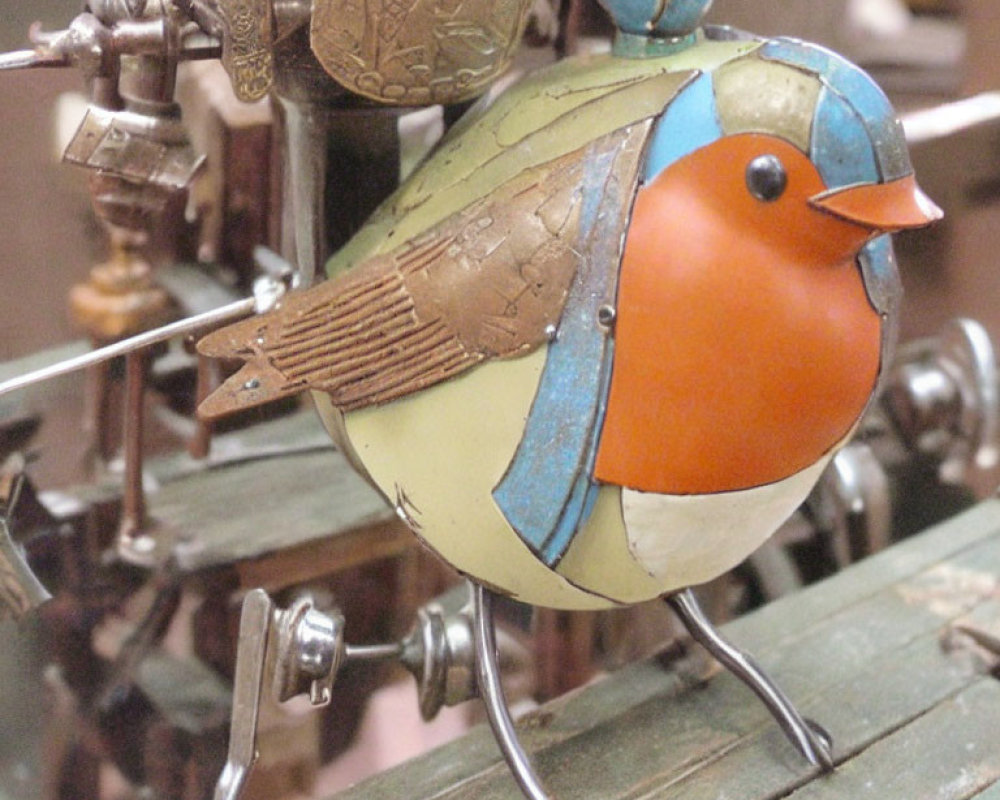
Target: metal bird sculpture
605, 340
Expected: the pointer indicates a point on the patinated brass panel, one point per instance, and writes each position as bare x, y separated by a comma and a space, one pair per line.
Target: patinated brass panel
416, 52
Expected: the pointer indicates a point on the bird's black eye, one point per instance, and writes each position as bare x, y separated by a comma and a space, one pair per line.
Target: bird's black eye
766, 178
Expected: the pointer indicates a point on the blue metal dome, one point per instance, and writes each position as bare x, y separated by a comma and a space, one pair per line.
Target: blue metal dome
669, 20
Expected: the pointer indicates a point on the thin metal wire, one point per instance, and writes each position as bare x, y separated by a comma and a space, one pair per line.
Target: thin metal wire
488, 673
811, 740
226, 313
30, 59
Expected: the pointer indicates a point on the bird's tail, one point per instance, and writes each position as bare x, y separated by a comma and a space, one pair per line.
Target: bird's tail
256, 383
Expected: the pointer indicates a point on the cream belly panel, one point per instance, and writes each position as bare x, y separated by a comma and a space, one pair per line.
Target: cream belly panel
686, 540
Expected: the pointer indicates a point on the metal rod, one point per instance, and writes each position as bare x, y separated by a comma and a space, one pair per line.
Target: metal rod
811, 740
30, 59
95, 416
305, 184
940, 122
226, 313
488, 673
201, 443
134, 499
374, 652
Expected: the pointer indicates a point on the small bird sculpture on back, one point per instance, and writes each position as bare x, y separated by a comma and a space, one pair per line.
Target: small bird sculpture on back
603, 342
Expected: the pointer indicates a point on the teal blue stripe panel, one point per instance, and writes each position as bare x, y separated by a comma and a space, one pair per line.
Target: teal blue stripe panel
547, 493
689, 123
881, 273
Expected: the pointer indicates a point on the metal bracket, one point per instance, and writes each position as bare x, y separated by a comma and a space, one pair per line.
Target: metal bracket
309, 650
20, 589
248, 683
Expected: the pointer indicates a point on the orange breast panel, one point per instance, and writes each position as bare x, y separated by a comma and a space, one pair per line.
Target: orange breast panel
745, 345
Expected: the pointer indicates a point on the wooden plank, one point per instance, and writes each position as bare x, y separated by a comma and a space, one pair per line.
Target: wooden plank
950, 753
862, 652
263, 506
460, 763
275, 489
859, 710
916, 606
325, 556
980, 523
720, 742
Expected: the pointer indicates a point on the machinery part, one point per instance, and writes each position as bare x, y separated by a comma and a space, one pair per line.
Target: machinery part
942, 399
94, 41
20, 589
411, 54
247, 38
248, 31
851, 505
109, 11
248, 683
309, 651
305, 144
440, 654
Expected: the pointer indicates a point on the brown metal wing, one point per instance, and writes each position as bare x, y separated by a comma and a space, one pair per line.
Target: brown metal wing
488, 282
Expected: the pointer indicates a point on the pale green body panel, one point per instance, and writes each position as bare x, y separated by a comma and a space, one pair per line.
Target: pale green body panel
755, 95
437, 455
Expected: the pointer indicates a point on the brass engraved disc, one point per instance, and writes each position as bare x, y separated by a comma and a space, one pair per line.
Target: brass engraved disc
416, 52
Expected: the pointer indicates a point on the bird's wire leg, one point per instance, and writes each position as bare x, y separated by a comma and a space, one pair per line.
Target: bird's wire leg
808, 737
488, 674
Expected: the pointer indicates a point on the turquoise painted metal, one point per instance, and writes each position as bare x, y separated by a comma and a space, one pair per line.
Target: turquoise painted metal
657, 19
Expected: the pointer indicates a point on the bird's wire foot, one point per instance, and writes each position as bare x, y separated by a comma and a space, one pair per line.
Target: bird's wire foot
809, 738
488, 673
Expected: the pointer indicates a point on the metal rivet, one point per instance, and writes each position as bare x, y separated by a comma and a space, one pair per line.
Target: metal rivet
766, 178
253, 383
606, 316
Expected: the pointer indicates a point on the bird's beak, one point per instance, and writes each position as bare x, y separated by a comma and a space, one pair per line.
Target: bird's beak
883, 207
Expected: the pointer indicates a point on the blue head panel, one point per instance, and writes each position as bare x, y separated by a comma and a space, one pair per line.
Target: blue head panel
856, 136
689, 123
841, 147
